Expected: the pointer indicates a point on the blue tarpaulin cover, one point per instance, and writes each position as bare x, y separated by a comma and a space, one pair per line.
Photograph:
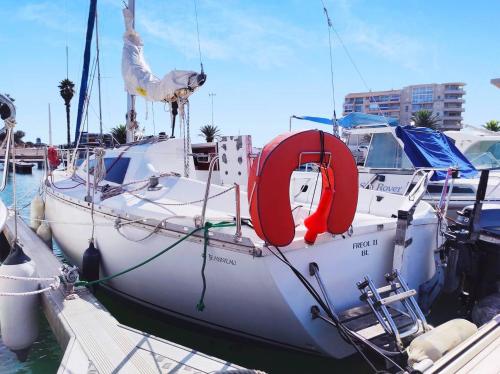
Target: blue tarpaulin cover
354, 119
429, 148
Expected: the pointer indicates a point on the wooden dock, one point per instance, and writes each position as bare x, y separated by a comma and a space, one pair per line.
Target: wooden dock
94, 341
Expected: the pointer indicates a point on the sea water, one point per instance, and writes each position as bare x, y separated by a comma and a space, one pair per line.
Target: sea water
45, 354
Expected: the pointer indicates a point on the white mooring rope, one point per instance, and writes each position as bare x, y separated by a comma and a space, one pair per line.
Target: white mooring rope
53, 286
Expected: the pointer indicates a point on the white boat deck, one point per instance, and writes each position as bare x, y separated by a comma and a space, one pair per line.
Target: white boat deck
93, 340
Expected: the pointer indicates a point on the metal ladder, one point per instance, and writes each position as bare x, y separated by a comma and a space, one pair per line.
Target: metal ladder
396, 297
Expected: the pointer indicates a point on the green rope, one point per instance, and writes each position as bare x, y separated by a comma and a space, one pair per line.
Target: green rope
208, 225
201, 305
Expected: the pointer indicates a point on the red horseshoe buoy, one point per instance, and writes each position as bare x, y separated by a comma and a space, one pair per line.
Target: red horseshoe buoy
53, 157
269, 186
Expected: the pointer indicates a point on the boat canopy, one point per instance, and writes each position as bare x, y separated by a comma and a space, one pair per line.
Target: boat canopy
354, 120
427, 148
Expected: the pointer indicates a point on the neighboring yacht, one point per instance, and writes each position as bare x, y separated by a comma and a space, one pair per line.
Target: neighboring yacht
480, 146
395, 156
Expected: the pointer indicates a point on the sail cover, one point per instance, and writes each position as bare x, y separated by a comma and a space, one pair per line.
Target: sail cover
137, 75
427, 148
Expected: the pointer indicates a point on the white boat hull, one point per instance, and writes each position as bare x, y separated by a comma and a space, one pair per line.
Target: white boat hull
257, 297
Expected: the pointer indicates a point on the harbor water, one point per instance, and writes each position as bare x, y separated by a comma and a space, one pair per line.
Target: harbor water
46, 354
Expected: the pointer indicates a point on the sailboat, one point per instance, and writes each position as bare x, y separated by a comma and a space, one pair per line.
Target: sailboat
160, 215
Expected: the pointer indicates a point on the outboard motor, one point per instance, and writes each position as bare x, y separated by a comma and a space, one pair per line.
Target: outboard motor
473, 248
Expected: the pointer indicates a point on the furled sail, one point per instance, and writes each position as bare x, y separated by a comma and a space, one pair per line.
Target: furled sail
137, 75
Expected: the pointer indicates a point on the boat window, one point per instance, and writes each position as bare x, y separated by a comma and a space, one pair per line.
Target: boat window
484, 154
116, 168
438, 188
386, 152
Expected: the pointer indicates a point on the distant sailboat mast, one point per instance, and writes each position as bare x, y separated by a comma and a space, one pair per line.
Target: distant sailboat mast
131, 114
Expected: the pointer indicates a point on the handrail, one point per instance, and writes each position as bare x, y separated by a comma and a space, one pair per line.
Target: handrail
237, 235
10, 122
5, 174
207, 189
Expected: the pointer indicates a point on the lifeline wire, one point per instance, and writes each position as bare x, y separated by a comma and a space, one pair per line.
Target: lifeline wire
330, 26
198, 34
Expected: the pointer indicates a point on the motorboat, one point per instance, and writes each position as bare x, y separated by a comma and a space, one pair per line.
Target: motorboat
396, 156
480, 146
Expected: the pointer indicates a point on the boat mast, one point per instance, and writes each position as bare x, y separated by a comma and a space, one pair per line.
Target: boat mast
98, 73
131, 123
50, 127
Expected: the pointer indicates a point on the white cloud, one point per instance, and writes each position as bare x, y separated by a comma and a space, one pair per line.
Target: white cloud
229, 33
379, 39
49, 14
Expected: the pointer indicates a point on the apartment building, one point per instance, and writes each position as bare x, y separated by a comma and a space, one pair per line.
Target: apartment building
445, 100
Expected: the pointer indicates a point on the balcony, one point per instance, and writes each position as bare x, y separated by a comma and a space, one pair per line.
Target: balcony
454, 109
447, 117
451, 90
454, 100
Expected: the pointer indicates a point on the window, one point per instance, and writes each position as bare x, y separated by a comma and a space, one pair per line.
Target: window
116, 168
422, 95
385, 152
484, 154
358, 108
358, 100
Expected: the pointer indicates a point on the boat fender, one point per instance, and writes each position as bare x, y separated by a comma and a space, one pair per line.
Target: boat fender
45, 233
36, 212
316, 222
18, 314
435, 343
91, 263
53, 157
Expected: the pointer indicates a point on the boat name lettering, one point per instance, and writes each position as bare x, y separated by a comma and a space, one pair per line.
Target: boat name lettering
221, 259
365, 244
392, 189
384, 187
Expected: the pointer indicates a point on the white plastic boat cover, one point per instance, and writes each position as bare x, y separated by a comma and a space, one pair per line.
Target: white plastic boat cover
137, 75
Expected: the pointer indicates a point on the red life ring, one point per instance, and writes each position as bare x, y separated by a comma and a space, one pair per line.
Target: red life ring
53, 157
269, 186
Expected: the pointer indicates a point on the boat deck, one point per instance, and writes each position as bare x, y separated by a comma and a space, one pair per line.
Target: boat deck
93, 340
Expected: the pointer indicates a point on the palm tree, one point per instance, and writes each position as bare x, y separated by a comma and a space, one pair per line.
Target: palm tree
67, 90
425, 118
210, 132
492, 125
120, 133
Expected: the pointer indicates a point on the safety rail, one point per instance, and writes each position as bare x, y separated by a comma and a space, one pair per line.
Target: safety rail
207, 189
5, 174
8, 114
238, 234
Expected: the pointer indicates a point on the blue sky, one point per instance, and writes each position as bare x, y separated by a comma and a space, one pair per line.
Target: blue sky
265, 60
